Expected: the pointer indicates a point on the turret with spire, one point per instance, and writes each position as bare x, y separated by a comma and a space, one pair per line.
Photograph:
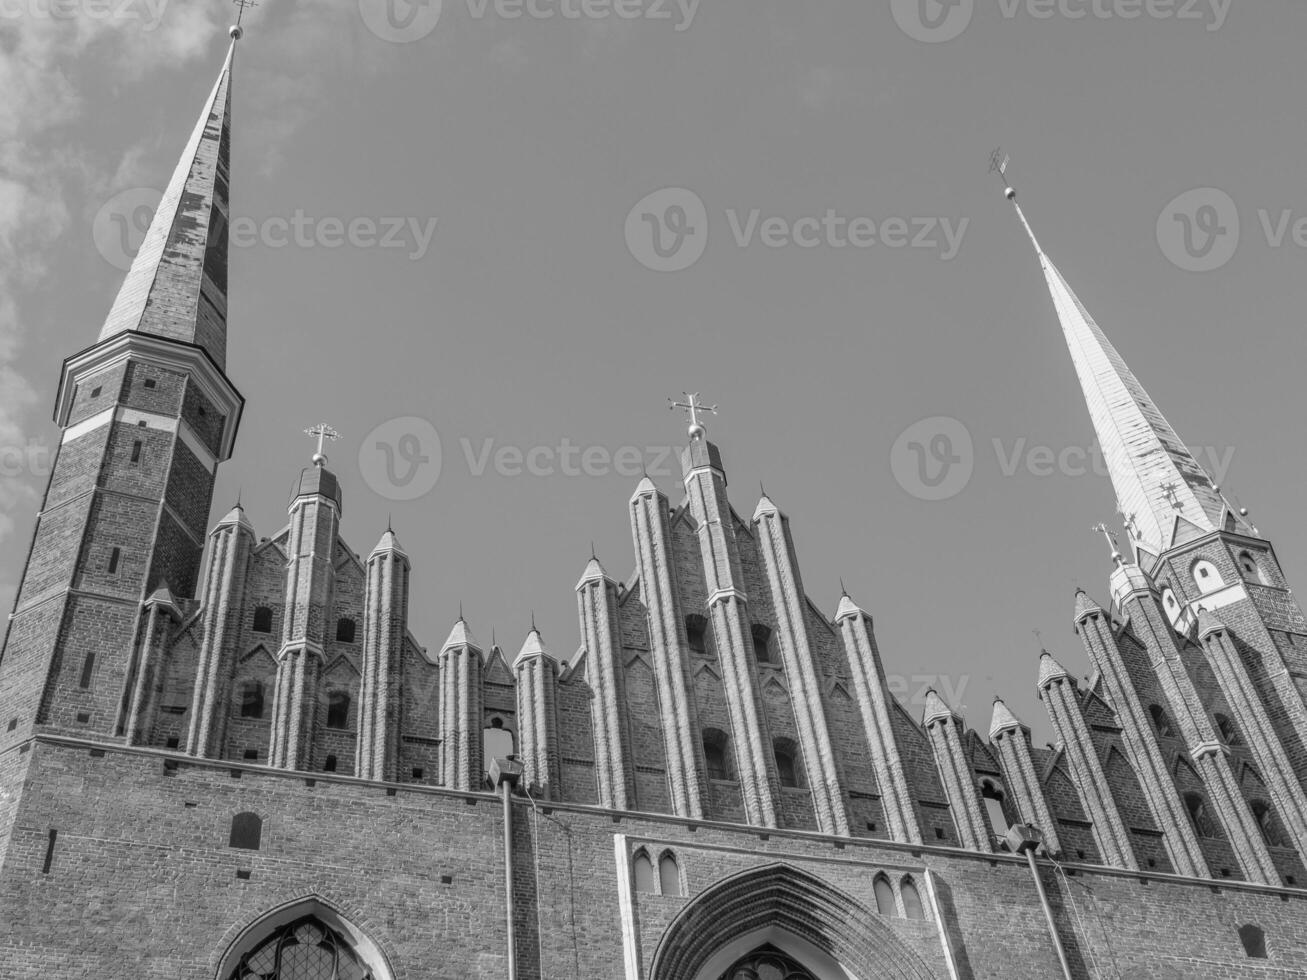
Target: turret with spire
728, 613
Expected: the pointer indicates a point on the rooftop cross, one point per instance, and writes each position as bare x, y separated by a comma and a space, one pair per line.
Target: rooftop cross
1106, 532
692, 407
322, 432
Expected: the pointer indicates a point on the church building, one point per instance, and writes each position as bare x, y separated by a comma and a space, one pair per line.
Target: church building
224, 755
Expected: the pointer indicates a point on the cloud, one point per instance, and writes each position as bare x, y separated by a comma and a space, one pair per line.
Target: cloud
42, 166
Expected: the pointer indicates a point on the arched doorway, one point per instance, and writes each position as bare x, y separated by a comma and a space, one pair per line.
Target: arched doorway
304, 940
759, 924
768, 963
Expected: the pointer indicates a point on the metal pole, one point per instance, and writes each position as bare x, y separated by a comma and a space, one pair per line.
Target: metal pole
1048, 913
506, 790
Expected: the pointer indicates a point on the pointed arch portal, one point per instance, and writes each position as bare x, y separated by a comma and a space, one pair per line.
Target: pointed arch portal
304, 940
781, 923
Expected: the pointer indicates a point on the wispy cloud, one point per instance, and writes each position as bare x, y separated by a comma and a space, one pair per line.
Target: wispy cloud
42, 166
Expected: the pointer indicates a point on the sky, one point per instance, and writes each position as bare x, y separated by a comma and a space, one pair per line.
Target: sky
446, 217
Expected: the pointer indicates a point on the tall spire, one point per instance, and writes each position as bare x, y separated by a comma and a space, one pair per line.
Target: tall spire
177, 285
1159, 485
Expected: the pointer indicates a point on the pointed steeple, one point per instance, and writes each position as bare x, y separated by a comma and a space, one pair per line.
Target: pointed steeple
177, 285
1158, 482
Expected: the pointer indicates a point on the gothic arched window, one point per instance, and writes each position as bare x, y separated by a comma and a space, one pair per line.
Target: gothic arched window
761, 643
1206, 576
345, 630
1171, 606
263, 619
338, 709
643, 870
769, 962
669, 875
1202, 820
496, 742
912, 907
246, 831
787, 763
1160, 721
1271, 828
1254, 941
884, 895
992, 796
716, 753
1229, 733
252, 699
306, 949
696, 633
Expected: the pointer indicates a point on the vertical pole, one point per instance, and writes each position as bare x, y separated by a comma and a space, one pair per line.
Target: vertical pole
1048, 913
506, 790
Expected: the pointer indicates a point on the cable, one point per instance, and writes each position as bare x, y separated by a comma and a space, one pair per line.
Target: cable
1080, 923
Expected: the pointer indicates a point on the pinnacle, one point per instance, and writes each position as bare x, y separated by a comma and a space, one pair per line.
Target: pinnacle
847, 607
534, 646
1208, 623
646, 487
935, 708
461, 636
1050, 670
594, 572
765, 508
389, 543
1085, 606
1004, 720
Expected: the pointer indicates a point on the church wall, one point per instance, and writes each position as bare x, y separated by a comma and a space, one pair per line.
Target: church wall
142, 850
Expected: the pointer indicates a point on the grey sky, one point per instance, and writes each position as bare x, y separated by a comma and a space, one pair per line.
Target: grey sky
524, 318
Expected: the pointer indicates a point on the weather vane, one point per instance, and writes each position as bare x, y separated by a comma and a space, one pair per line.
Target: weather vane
693, 407
1106, 532
236, 29
322, 432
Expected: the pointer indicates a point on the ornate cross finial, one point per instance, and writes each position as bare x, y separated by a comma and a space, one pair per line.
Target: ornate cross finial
322, 431
1171, 492
693, 407
998, 162
236, 30
1106, 532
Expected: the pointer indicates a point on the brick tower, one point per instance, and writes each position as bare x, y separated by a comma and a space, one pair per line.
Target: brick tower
147, 413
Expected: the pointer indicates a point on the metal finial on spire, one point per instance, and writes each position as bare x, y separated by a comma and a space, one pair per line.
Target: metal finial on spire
236, 31
998, 162
843, 591
693, 407
533, 622
322, 431
1106, 532
460, 614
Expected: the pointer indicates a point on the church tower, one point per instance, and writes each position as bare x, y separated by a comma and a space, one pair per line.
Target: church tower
147, 413
1186, 685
